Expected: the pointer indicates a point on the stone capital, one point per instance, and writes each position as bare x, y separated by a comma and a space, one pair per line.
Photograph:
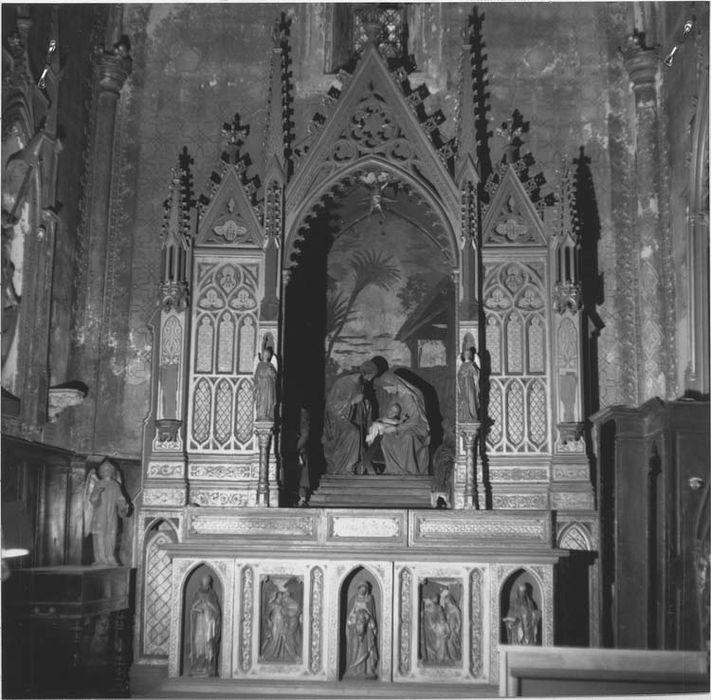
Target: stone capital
111, 70
640, 61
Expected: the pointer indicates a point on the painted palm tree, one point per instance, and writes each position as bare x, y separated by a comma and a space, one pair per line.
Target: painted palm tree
370, 269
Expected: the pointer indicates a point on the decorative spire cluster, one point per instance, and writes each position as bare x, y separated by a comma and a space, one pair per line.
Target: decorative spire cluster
511, 131
234, 134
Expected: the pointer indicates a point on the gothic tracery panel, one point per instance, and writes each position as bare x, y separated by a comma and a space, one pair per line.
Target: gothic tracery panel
516, 342
158, 594
225, 295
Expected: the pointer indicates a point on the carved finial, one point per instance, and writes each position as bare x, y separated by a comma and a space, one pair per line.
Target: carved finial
235, 132
511, 132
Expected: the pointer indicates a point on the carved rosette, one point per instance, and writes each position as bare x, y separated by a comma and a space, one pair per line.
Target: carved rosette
405, 620
475, 628
247, 616
316, 618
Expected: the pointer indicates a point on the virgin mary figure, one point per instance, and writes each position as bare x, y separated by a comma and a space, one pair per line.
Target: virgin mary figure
406, 447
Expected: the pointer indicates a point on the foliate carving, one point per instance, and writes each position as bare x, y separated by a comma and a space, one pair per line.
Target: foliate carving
247, 598
572, 500
316, 618
571, 472
164, 497
477, 649
221, 472
405, 620
518, 474
567, 296
571, 438
218, 498
272, 526
163, 470
112, 67
427, 527
538, 501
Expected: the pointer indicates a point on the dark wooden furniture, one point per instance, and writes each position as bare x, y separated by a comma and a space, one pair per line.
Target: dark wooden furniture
68, 633
653, 491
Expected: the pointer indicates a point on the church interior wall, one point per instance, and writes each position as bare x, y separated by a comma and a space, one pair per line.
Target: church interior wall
193, 67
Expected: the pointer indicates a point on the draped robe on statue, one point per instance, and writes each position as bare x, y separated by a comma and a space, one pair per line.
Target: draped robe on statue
406, 450
346, 420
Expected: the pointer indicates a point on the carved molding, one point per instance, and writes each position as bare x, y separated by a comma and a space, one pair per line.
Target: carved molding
518, 474
477, 647
164, 497
166, 470
220, 498
271, 526
316, 618
222, 472
518, 501
477, 528
246, 637
405, 621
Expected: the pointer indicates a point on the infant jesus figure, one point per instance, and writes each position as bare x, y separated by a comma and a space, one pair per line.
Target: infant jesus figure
384, 426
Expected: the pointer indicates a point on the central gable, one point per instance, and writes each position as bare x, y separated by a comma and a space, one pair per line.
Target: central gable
372, 119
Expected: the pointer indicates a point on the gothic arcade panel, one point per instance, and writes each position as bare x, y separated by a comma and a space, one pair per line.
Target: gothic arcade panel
516, 343
225, 323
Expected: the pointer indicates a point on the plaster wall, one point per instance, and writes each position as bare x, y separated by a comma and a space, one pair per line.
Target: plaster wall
195, 66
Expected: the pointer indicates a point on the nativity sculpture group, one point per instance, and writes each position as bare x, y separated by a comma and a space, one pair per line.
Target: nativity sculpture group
352, 435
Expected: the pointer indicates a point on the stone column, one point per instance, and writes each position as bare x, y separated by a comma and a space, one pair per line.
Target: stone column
111, 69
469, 432
263, 431
641, 63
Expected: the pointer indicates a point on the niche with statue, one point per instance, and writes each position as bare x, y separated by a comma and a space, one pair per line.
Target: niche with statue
202, 623
440, 622
521, 606
360, 628
281, 629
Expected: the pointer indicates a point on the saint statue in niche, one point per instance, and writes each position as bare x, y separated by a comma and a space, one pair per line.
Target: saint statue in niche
265, 381
362, 635
404, 444
282, 639
523, 617
346, 419
468, 384
104, 502
205, 619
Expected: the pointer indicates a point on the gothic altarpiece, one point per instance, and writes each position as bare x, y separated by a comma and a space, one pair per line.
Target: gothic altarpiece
391, 594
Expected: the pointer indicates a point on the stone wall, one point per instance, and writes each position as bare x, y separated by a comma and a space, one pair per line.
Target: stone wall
195, 66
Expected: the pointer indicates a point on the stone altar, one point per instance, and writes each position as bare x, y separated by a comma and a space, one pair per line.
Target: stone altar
220, 476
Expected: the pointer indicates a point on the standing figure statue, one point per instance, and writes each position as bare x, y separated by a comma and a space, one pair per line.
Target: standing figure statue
282, 641
523, 618
265, 383
405, 444
435, 631
453, 616
468, 384
205, 619
104, 502
346, 420
362, 636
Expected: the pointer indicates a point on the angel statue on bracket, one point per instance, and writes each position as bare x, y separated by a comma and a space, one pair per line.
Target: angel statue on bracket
104, 502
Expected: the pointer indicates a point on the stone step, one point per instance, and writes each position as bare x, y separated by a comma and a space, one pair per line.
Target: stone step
196, 688
373, 491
